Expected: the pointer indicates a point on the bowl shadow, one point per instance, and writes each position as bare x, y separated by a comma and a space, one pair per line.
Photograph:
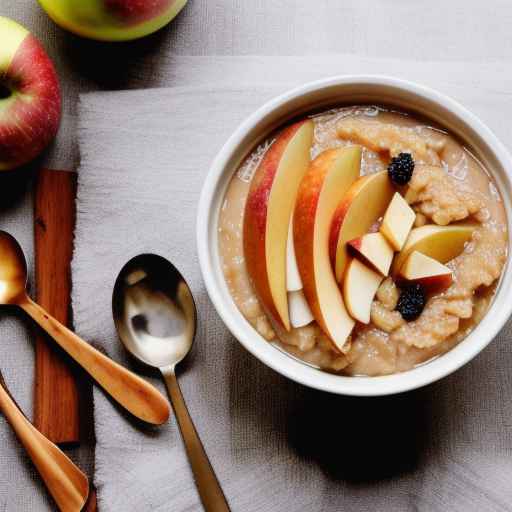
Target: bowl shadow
361, 440
351, 439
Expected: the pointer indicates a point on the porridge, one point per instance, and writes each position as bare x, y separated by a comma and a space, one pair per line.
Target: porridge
362, 240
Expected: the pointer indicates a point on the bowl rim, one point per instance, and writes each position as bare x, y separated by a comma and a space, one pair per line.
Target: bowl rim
500, 309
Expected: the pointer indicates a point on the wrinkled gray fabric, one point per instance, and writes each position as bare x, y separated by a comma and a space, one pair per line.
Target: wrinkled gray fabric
275, 445
458, 30
16, 356
227, 38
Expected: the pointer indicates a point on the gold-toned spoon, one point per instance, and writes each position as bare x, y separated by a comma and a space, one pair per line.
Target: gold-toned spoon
133, 393
65, 482
155, 316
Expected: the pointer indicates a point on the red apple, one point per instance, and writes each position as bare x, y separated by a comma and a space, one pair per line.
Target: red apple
30, 103
112, 20
136, 11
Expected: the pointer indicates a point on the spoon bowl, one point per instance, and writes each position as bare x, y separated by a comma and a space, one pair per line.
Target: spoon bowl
68, 486
155, 316
13, 269
154, 311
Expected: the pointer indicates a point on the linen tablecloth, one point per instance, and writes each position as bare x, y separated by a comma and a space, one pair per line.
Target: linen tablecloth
466, 31
274, 444
470, 35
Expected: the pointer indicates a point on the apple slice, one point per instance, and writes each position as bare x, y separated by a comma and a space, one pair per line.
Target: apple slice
374, 249
329, 177
359, 288
300, 312
364, 203
298, 308
267, 215
426, 271
443, 243
293, 280
397, 222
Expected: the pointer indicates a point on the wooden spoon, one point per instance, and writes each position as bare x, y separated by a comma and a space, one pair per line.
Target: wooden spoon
133, 393
65, 482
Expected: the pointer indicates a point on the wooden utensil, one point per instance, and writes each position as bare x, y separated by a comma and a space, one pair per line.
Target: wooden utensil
65, 482
92, 502
132, 392
56, 399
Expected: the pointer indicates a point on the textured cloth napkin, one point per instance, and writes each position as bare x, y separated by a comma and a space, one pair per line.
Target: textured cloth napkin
275, 445
455, 30
466, 34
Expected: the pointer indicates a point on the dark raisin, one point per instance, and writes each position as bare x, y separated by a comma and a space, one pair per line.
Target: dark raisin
400, 169
411, 302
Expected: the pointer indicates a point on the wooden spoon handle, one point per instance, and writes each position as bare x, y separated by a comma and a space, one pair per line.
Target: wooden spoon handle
133, 393
66, 483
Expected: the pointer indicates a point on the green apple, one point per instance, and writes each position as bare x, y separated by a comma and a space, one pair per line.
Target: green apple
112, 20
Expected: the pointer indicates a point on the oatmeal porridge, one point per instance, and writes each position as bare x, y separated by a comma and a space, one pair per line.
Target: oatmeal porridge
363, 241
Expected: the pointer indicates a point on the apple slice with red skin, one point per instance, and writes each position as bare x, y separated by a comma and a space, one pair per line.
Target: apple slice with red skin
329, 177
360, 285
397, 222
421, 269
30, 100
373, 249
443, 243
363, 204
268, 210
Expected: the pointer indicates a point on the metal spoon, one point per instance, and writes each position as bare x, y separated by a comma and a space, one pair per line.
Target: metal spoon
65, 482
155, 316
135, 394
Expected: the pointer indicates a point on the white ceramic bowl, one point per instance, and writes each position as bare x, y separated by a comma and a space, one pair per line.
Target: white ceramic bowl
324, 94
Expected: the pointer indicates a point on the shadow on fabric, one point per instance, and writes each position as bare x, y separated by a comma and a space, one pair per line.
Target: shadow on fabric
14, 185
117, 66
361, 440
357, 440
